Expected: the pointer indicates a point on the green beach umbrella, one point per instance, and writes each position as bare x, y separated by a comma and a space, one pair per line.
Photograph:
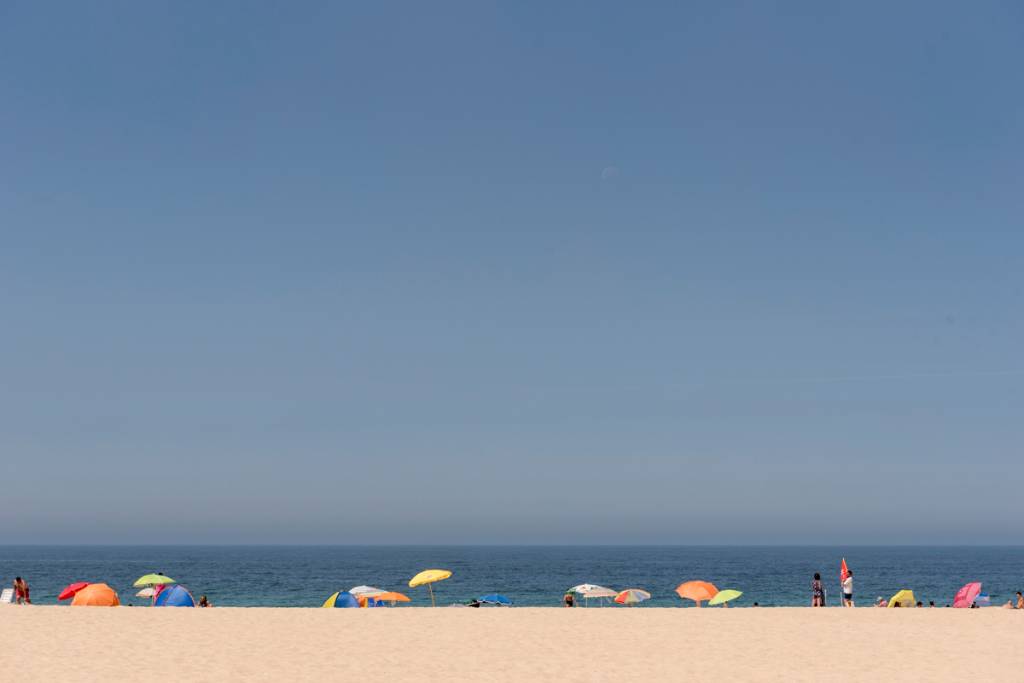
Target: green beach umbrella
722, 597
153, 580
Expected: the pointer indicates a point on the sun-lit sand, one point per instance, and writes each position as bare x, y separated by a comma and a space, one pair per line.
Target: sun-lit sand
518, 644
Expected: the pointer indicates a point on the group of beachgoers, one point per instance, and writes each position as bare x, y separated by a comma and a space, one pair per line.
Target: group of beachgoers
23, 595
818, 596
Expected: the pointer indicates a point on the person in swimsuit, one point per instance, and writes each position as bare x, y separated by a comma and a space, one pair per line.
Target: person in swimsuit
569, 600
1020, 600
203, 602
21, 591
817, 592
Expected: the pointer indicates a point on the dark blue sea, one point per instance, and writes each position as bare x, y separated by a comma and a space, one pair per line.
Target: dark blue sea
297, 576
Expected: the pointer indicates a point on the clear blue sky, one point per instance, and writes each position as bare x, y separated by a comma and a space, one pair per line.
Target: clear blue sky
674, 272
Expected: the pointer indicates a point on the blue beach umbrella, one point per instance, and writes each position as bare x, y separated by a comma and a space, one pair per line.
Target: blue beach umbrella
495, 599
174, 596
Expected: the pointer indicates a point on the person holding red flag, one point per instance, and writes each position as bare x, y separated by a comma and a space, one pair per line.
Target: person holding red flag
846, 579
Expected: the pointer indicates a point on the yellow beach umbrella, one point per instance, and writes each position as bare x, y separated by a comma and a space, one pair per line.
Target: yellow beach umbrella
153, 580
428, 577
724, 596
905, 598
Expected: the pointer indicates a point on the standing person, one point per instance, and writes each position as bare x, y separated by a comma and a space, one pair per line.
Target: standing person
1020, 600
817, 591
21, 591
569, 600
848, 589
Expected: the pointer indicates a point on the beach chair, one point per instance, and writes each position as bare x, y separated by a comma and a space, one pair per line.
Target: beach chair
7, 596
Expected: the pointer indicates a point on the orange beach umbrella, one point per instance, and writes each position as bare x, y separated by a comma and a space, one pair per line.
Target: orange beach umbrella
698, 591
96, 595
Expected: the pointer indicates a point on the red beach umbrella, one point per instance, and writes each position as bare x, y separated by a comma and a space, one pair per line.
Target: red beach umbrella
73, 588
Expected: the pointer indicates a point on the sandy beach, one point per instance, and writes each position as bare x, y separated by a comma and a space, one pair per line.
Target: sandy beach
519, 644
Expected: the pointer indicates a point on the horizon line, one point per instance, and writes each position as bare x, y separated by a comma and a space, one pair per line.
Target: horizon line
513, 545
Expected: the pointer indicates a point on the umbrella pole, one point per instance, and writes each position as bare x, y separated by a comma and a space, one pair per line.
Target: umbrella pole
430, 588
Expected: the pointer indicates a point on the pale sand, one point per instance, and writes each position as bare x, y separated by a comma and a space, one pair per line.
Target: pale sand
517, 644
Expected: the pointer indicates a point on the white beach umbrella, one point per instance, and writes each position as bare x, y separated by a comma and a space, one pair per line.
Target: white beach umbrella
589, 590
146, 592
366, 591
592, 590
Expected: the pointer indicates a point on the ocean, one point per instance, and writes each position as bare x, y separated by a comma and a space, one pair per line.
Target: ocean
303, 576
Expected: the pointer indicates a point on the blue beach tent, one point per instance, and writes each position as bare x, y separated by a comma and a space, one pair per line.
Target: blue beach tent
174, 596
341, 599
495, 599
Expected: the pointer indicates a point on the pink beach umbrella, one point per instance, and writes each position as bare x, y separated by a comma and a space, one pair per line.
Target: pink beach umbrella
966, 595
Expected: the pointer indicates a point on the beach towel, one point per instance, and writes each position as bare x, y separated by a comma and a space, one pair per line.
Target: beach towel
7, 597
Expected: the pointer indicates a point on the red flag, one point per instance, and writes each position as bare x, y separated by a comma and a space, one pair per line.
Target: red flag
844, 571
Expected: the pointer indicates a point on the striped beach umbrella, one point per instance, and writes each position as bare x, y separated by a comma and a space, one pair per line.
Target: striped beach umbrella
632, 596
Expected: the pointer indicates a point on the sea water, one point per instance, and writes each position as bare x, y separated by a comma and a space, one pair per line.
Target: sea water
303, 576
